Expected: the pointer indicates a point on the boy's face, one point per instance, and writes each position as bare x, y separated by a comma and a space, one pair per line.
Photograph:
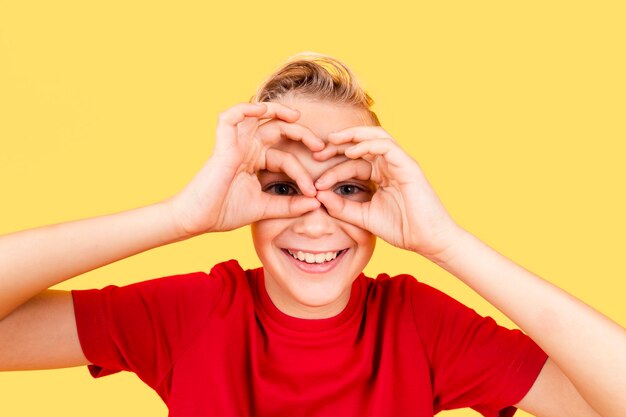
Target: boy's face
317, 288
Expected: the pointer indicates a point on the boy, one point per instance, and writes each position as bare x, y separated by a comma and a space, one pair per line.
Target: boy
309, 167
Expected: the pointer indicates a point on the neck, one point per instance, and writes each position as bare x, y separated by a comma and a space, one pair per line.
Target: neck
293, 307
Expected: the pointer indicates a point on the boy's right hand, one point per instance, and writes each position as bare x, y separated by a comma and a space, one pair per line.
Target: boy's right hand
226, 193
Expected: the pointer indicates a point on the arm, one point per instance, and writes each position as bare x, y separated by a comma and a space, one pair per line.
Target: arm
37, 327
585, 347
41, 334
37, 330
33, 260
553, 394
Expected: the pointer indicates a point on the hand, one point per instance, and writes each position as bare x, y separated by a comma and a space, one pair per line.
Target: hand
226, 193
404, 210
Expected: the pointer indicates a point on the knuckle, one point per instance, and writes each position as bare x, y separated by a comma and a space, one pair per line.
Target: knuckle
224, 115
267, 130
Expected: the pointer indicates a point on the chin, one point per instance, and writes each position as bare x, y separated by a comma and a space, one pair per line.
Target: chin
320, 295
312, 291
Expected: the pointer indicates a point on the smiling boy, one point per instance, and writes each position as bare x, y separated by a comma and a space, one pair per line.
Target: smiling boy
309, 167
305, 287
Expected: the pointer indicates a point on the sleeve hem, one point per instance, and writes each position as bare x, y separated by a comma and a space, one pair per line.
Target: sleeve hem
528, 371
91, 327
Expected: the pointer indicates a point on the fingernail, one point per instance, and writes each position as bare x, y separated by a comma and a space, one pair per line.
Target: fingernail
319, 182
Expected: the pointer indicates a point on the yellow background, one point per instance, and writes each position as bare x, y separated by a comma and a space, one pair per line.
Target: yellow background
515, 111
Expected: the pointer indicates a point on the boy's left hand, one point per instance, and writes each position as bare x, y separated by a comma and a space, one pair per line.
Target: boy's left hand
404, 211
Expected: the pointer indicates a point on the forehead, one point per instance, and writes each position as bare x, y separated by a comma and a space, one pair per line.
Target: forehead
322, 118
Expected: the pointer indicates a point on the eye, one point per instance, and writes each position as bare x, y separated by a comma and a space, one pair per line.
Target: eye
347, 189
281, 188
354, 192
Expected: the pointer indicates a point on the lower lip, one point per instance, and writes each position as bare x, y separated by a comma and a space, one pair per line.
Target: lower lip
316, 268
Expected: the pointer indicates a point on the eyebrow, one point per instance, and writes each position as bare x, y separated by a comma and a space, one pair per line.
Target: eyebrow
265, 172
265, 175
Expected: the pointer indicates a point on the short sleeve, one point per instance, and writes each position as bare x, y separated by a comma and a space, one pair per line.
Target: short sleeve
474, 362
143, 327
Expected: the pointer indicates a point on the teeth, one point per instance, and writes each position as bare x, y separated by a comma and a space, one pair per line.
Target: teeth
316, 258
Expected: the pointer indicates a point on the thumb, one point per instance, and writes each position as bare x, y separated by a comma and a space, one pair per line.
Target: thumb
282, 206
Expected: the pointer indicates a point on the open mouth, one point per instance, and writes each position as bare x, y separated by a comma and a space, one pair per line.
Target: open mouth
314, 258
315, 262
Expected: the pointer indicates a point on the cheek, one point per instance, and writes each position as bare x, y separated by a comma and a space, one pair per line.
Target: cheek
259, 233
265, 231
369, 244
364, 239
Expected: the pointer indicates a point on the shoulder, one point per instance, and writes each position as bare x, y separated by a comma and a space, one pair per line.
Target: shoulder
404, 295
403, 287
189, 291
218, 276
430, 309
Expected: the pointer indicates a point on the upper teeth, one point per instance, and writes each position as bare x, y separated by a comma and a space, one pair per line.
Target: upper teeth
311, 258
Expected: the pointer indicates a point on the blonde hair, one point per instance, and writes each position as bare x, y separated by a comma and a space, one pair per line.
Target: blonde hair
318, 77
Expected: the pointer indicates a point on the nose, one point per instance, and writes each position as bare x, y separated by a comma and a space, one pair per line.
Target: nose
315, 224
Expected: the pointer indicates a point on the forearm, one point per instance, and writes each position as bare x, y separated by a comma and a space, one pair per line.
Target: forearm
36, 259
586, 345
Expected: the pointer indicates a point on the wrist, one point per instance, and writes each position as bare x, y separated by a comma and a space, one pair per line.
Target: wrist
176, 220
455, 242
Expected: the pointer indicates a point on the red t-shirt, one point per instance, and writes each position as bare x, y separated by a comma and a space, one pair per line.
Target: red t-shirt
215, 345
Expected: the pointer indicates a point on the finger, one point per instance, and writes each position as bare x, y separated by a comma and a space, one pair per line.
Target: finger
229, 119
392, 153
279, 161
331, 150
358, 134
340, 208
271, 132
281, 206
351, 169
240, 111
280, 111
